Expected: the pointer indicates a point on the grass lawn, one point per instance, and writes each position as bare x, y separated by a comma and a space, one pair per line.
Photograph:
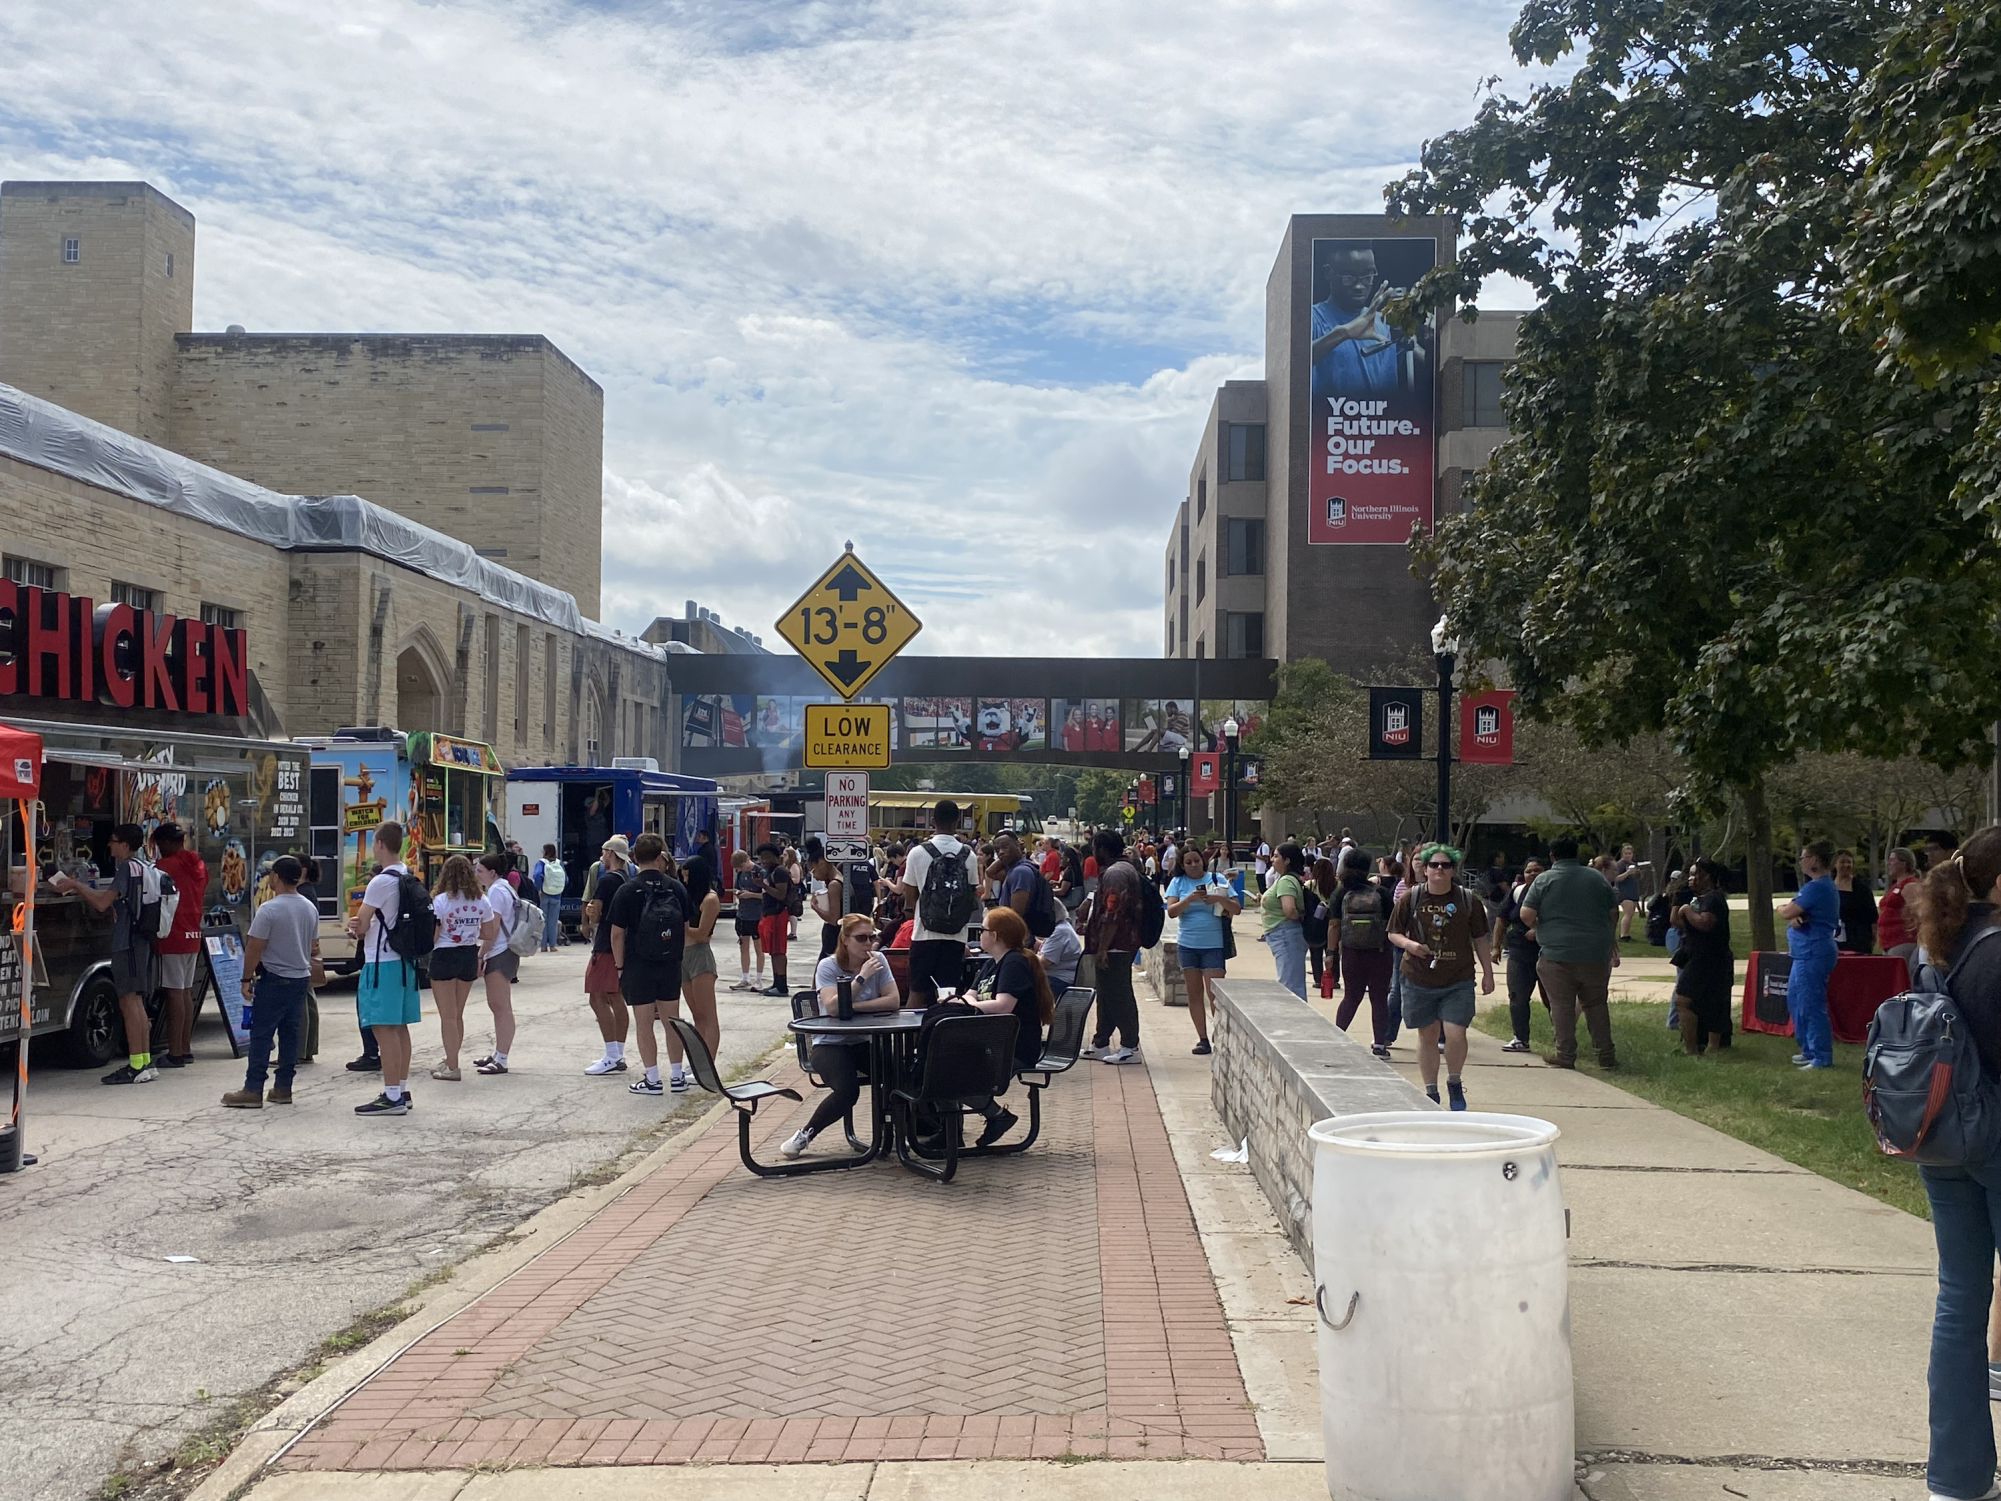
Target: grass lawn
1751, 1092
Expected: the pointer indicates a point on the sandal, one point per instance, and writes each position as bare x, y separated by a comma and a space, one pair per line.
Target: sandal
449, 1075
489, 1066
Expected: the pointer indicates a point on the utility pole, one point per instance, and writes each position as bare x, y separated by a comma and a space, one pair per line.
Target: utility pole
1445, 655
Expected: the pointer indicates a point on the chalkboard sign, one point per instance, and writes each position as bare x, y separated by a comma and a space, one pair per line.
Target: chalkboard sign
222, 953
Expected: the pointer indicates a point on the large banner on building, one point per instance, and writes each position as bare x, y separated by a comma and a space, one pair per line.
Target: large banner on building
1372, 395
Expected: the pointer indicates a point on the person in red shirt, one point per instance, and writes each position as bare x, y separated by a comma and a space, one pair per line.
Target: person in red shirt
1052, 861
1074, 730
180, 951
1894, 927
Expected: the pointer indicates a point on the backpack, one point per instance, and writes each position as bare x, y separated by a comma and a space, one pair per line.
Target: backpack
158, 901
1041, 913
415, 931
553, 878
1926, 1094
1152, 911
1363, 924
949, 898
660, 927
525, 938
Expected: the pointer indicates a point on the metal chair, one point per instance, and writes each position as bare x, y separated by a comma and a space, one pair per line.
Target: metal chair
967, 1060
804, 1004
743, 1098
1060, 1051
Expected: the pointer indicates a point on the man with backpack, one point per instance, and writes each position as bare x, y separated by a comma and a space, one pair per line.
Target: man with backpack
1023, 887
941, 888
550, 877
1441, 927
1358, 937
649, 932
396, 928
1114, 933
142, 902
782, 903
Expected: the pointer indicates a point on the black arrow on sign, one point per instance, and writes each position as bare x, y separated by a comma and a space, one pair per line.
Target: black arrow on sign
849, 582
847, 669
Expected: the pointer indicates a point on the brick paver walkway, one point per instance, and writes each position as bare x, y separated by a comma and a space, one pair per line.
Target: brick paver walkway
1053, 1303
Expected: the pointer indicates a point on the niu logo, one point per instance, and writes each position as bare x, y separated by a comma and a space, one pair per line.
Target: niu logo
1486, 724
1337, 511
1396, 724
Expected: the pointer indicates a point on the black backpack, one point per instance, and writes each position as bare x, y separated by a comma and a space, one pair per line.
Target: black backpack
1927, 1096
1041, 913
660, 927
1366, 929
415, 931
949, 898
1152, 910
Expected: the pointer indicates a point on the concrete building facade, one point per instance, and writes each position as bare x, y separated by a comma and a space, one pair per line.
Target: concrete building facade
496, 440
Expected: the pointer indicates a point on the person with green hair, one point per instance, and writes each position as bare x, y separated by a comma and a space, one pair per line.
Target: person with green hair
1441, 927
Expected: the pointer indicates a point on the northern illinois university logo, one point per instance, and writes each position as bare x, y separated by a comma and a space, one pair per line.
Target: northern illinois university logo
1396, 724
1487, 724
1337, 511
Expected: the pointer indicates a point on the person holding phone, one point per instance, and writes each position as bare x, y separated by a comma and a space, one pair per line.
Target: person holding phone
1200, 903
854, 978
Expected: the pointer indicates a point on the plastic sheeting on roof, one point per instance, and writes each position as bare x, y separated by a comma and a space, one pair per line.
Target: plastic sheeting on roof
52, 437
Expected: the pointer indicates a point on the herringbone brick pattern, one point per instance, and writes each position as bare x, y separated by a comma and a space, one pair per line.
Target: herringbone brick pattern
1053, 1303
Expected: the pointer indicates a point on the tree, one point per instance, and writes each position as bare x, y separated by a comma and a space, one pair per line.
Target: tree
1721, 517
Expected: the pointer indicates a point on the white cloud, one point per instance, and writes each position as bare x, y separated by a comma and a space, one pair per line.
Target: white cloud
954, 281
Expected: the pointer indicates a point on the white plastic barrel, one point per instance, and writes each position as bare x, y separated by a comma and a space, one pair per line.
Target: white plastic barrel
1438, 1243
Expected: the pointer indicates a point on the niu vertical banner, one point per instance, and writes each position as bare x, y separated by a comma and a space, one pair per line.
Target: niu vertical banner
1371, 394
1487, 727
1396, 724
1203, 775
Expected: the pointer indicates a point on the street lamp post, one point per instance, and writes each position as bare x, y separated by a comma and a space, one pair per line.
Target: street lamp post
1185, 756
1445, 651
1231, 729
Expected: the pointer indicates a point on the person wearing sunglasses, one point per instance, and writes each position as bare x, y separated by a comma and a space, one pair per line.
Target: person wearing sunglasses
857, 968
1441, 927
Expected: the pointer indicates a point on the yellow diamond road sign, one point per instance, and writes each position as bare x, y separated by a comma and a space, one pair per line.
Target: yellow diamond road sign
854, 736
848, 625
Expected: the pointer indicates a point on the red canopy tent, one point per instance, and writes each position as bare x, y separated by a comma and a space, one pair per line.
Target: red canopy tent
21, 780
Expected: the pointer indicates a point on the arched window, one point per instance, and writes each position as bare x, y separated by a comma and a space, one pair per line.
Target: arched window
593, 726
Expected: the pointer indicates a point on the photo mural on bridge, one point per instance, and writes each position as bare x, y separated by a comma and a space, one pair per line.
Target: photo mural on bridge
1371, 398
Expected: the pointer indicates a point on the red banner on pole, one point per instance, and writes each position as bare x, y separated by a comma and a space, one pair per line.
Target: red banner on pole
1487, 727
1204, 775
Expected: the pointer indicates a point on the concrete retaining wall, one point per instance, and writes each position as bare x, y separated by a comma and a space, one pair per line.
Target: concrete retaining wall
1163, 968
1279, 1066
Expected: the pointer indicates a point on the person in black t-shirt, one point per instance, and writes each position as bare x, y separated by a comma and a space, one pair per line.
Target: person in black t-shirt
601, 973
1516, 940
1703, 961
651, 986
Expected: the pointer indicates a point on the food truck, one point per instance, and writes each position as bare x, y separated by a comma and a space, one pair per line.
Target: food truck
577, 808
242, 803
444, 790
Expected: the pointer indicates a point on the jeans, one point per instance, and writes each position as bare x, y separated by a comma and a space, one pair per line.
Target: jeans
1966, 1223
842, 1065
1367, 971
1806, 1000
1117, 1006
276, 1008
1287, 942
552, 920
1521, 992
1394, 1006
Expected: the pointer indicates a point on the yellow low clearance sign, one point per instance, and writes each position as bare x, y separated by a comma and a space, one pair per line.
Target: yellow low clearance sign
847, 736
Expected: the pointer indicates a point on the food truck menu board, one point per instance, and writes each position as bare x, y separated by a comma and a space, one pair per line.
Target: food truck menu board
222, 952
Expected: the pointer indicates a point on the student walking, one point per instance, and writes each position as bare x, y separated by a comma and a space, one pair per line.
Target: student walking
466, 925
1200, 905
1811, 918
747, 881
1574, 913
774, 927
550, 878
385, 997
501, 966
1282, 908
1441, 927
1358, 940
1520, 953
131, 947
649, 932
941, 890
281, 960
600, 973
698, 959
1112, 933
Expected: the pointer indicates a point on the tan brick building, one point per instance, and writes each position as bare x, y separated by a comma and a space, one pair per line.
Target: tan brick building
494, 439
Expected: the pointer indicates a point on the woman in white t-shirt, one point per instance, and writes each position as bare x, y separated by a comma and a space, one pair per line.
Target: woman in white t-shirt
500, 963
465, 923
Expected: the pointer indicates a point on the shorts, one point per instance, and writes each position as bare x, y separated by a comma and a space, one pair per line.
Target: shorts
455, 962
601, 975
177, 971
132, 971
697, 959
746, 927
1210, 960
386, 994
506, 962
771, 932
649, 984
1423, 1005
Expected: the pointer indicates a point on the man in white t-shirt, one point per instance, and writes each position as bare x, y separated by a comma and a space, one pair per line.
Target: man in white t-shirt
1263, 859
385, 997
938, 958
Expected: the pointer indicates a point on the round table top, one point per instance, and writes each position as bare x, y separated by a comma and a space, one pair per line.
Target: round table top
862, 1023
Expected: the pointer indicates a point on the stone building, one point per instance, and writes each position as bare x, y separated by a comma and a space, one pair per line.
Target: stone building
495, 439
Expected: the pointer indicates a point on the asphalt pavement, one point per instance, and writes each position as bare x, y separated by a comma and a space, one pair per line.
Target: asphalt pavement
298, 1219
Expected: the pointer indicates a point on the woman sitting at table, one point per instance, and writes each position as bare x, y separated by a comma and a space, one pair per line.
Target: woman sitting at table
1020, 989
857, 968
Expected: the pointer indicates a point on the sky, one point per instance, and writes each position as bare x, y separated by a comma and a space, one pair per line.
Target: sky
953, 282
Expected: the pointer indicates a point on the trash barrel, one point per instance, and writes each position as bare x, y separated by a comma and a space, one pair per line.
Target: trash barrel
1442, 1287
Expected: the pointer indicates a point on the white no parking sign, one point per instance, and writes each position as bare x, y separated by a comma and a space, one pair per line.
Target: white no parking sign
847, 805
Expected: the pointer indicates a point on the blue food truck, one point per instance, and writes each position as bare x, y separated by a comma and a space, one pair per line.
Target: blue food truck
577, 808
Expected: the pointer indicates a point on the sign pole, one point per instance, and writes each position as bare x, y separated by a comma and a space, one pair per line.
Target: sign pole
18, 1154
1443, 829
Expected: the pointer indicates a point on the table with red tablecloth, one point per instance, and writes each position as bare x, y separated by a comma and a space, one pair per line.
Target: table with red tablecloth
1860, 983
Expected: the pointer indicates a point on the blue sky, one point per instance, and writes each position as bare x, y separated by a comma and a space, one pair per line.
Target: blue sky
956, 282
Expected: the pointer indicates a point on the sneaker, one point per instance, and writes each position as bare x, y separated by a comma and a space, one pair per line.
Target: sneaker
1121, 1055
1799, 1058
1455, 1094
1202, 1049
367, 1063
173, 1060
796, 1143
1381, 1050
606, 1066
279, 1096
383, 1105
125, 1073
1807, 1068
678, 1081
1431, 1093
777, 990
997, 1127
409, 1098
1515, 1045
1441, 1047
246, 1099
1097, 1052
642, 1085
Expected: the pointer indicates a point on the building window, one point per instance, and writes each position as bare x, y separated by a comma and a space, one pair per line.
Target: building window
28, 571
72, 250
1202, 495
489, 718
1483, 394
138, 598
222, 615
1202, 646
1246, 546
549, 689
1201, 579
170, 265
1245, 443
1170, 638
1170, 575
593, 728
1246, 634
522, 651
